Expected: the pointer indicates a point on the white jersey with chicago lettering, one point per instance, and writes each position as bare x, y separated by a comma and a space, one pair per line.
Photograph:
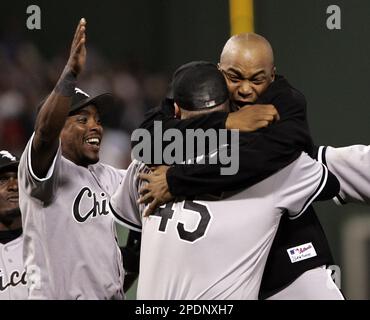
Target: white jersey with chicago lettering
215, 248
351, 165
70, 244
13, 283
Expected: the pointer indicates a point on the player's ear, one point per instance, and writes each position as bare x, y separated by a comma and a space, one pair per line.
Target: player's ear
177, 111
273, 73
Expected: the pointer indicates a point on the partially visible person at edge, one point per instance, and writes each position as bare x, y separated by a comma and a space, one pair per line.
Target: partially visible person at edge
13, 282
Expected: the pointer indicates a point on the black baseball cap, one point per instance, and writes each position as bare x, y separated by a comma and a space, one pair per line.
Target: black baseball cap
180, 70
199, 86
81, 99
8, 162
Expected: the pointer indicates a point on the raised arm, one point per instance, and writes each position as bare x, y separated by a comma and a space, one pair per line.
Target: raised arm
54, 111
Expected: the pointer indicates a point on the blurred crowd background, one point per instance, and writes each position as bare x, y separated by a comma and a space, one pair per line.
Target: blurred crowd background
134, 46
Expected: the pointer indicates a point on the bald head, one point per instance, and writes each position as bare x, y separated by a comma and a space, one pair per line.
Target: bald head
247, 62
251, 46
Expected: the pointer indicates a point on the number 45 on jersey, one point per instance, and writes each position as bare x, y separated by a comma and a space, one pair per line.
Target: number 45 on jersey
190, 210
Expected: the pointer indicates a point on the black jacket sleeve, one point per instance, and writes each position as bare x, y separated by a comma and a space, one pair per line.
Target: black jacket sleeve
261, 153
164, 116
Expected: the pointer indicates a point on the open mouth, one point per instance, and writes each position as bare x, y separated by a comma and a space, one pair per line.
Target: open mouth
241, 104
93, 141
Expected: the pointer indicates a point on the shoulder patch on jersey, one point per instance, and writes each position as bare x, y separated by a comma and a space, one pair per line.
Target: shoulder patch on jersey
302, 252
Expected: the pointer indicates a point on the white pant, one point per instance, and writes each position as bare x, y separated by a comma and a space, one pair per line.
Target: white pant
315, 284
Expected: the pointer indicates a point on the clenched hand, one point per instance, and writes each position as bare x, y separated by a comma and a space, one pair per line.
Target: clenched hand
251, 118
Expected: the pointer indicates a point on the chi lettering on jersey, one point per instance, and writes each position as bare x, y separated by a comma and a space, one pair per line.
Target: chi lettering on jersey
15, 278
87, 205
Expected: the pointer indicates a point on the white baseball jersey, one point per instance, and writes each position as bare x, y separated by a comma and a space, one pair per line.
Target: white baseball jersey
13, 282
351, 165
209, 249
70, 244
